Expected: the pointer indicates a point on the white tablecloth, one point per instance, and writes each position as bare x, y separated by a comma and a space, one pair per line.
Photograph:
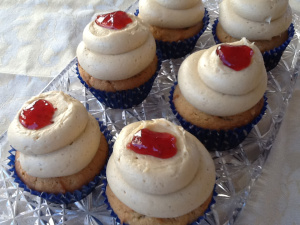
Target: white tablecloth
38, 38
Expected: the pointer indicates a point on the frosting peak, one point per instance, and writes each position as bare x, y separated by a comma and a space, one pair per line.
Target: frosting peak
259, 11
218, 90
116, 54
255, 19
115, 41
178, 4
176, 185
62, 148
69, 120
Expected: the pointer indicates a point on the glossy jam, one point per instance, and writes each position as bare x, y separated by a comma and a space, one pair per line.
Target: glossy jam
236, 57
115, 20
37, 115
147, 142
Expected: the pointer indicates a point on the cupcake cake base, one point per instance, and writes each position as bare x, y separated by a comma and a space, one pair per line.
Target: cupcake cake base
122, 94
178, 49
220, 134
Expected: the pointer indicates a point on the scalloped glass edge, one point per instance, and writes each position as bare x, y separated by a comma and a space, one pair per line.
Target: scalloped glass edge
237, 169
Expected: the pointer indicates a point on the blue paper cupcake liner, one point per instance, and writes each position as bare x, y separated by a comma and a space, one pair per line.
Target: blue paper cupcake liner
115, 216
214, 140
174, 50
272, 57
68, 197
127, 98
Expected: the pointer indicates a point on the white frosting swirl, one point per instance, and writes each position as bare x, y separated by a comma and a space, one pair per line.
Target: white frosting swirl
68, 160
69, 121
110, 54
255, 19
162, 188
74, 133
218, 90
178, 4
171, 14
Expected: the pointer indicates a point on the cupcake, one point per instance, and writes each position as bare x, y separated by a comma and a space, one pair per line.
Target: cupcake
220, 93
59, 147
117, 59
175, 25
159, 173
266, 23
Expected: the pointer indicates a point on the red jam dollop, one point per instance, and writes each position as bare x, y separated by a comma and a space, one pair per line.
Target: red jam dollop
147, 142
114, 20
236, 57
37, 115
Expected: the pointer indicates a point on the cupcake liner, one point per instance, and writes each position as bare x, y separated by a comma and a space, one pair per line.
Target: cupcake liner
115, 216
68, 197
215, 140
127, 98
272, 57
174, 50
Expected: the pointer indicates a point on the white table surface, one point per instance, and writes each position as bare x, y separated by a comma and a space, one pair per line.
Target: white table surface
34, 49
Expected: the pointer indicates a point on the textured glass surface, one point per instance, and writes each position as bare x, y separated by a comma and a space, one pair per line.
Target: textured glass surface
237, 169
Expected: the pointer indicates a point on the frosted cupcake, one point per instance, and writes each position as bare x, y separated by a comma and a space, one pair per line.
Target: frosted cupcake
220, 93
159, 174
175, 25
60, 149
266, 23
117, 59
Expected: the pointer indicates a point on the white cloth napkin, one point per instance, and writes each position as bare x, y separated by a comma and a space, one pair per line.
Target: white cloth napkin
39, 37
275, 199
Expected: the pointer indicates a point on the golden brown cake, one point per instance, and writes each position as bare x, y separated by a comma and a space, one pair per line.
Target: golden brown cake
170, 35
120, 85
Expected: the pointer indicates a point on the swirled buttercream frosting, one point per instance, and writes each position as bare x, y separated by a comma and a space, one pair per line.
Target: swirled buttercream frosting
255, 19
216, 89
61, 148
157, 187
171, 14
116, 54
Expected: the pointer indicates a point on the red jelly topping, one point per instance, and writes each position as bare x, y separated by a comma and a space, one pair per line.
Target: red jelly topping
37, 115
236, 57
147, 142
115, 20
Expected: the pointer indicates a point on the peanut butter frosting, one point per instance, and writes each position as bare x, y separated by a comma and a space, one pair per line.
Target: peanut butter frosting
69, 121
76, 131
216, 89
156, 187
171, 14
116, 54
255, 19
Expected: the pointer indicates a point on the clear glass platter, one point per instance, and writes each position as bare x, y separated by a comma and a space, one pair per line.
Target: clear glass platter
237, 169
